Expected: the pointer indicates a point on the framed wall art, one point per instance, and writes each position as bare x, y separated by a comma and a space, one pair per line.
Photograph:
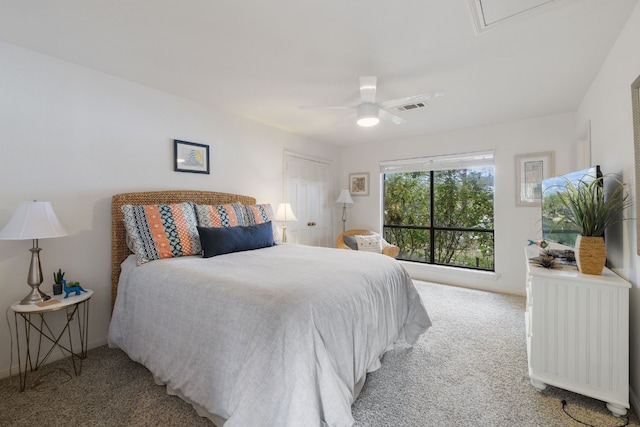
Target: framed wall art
531, 169
190, 157
359, 184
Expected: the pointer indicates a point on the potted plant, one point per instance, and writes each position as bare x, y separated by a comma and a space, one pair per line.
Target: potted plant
591, 213
58, 278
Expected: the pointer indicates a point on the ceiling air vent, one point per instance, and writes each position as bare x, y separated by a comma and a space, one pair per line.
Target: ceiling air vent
411, 106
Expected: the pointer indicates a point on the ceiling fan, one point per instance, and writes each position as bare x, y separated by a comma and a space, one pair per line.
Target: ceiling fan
370, 112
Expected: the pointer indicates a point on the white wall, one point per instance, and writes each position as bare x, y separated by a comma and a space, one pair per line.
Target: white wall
75, 137
514, 225
608, 105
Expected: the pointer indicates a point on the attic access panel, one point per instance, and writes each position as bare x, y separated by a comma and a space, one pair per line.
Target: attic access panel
491, 12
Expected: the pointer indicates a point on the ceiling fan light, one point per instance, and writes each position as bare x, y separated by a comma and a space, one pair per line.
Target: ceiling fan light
368, 115
368, 121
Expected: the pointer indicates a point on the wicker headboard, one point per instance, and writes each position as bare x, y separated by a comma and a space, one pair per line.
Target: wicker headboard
119, 249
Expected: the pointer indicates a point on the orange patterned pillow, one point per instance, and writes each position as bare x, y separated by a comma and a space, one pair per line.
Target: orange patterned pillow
162, 231
218, 216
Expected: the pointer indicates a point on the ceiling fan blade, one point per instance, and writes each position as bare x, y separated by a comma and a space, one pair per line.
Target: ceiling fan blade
368, 89
324, 107
413, 99
390, 117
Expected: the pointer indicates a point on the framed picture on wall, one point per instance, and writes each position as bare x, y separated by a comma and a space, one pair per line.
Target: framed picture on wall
190, 157
359, 184
531, 169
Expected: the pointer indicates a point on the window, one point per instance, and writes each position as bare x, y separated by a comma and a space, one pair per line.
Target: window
439, 210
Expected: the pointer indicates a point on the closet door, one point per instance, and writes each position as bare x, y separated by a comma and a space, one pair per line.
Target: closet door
307, 187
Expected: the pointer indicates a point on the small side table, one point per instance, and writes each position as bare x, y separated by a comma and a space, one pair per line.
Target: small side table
34, 318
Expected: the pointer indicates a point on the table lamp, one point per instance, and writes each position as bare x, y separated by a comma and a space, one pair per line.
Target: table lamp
33, 220
345, 199
284, 214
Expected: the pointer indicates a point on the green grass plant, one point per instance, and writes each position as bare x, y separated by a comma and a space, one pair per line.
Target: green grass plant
589, 210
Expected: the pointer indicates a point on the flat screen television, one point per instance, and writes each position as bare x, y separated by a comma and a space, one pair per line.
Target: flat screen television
553, 228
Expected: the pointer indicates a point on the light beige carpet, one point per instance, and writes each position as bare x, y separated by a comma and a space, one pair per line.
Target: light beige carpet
469, 369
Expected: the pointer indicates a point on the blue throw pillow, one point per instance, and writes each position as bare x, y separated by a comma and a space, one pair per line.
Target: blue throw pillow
219, 241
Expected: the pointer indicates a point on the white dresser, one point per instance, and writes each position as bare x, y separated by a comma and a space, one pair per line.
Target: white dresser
577, 328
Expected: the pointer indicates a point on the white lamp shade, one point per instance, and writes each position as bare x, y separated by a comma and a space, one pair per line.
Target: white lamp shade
284, 213
33, 220
344, 197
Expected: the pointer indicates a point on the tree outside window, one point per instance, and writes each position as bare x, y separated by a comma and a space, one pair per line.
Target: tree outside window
441, 217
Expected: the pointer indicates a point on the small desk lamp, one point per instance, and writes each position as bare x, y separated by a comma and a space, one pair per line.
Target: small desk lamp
284, 214
345, 199
33, 220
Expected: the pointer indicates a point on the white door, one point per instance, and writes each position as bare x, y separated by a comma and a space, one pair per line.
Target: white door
308, 190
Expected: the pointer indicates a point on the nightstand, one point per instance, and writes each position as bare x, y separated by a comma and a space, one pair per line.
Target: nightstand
76, 309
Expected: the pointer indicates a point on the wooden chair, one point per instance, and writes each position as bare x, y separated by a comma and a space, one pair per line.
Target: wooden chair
387, 248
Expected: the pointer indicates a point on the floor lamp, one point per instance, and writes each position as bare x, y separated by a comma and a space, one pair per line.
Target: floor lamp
33, 221
284, 213
345, 199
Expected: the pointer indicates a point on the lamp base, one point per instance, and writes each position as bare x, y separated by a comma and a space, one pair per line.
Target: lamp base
34, 279
34, 297
344, 217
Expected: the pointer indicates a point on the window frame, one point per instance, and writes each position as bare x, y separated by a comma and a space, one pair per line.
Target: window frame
432, 165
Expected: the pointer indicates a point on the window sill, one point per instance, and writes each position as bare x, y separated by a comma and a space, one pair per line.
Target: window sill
444, 274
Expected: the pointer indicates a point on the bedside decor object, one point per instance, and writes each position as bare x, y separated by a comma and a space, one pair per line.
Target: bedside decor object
32, 221
345, 199
284, 213
190, 157
72, 287
531, 169
359, 184
58, 278
57, 288
591, 214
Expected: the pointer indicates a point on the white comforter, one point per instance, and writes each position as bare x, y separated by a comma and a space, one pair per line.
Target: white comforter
272, 337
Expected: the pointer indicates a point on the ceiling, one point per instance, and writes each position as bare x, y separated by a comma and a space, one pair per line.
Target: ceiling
261, 60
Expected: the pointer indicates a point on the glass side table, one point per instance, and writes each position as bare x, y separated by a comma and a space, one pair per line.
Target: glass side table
36, 323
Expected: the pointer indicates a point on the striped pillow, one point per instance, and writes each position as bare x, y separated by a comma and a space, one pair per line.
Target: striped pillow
260, 214
218, 216
162, 231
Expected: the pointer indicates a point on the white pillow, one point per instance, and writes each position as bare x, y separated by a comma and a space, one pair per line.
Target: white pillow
372, 243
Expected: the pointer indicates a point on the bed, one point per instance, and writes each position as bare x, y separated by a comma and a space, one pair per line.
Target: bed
278, 336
